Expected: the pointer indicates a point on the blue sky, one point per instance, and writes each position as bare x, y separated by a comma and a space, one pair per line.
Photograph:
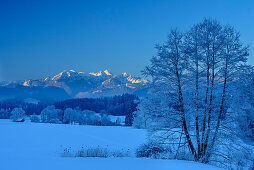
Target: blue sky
41, 38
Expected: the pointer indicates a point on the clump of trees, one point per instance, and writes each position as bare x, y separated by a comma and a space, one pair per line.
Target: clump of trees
18, 115
193, 75
51, 115
73, 116
86, 117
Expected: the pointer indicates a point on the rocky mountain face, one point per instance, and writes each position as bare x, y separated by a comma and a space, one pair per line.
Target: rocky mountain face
80, 84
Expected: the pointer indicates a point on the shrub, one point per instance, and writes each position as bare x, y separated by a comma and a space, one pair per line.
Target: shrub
154, 151
94, 152
67, 152
121, 153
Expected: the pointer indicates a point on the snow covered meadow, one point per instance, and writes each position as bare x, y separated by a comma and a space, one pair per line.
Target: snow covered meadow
29, 146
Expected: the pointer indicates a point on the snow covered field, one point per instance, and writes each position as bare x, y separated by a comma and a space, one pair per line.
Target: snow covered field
37, 146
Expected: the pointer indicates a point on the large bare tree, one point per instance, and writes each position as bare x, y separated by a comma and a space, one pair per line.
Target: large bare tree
197, 68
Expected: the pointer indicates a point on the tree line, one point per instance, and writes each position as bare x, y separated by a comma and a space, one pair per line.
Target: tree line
122, 105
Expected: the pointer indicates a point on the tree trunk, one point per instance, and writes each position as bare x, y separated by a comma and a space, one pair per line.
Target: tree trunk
206, 99
220, 112
197, 104
186, 132
210, 103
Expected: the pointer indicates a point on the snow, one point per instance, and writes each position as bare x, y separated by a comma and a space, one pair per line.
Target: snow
96, 74
29, 146
107, 72
26, 83
100, 73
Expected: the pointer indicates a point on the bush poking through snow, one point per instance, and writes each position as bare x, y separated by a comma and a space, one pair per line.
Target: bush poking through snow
98, 152
93, 152
66, 152
154, 151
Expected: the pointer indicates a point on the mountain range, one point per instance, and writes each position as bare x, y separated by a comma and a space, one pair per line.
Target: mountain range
72, 84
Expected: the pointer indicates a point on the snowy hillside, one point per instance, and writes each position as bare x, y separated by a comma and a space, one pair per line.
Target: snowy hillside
29, 146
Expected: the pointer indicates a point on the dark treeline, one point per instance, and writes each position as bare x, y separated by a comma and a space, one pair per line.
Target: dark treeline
117, 105
121, 105
29, 108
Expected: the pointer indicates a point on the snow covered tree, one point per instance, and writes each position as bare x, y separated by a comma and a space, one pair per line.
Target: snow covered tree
130, 107
18, 115
105, 120
50, 115
195, 69
70, 116
88, 117
152, 113
243, 102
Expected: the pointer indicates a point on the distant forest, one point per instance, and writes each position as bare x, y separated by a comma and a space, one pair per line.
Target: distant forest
117, 105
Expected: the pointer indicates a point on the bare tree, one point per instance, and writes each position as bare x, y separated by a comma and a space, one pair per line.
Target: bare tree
197, 67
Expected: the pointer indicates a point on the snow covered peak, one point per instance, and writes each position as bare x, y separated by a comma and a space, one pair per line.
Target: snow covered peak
26, 83
125, 74
136, 80
107, 72
65, 74
100, 73
101, 83
96, 74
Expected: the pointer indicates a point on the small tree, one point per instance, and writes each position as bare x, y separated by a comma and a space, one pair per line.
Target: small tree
129, 118
105, 120
50, 115
18, 115
88, 117
131, 108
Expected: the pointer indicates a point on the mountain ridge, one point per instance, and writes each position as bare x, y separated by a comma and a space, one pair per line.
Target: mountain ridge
93, 84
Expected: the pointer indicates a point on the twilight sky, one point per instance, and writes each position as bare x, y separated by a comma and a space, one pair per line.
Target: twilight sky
43, 38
